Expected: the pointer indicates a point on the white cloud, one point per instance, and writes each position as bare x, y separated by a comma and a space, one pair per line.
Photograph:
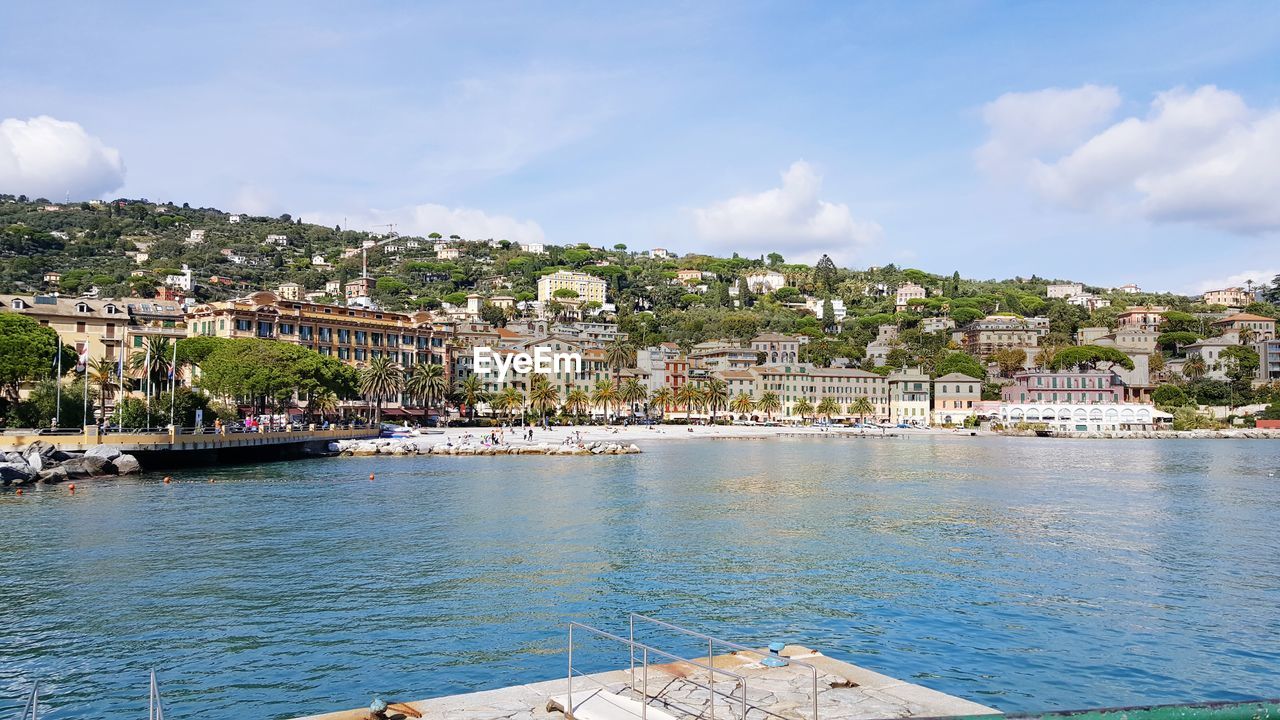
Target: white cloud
46, 157
491, 126
1260, 278
790, 219
424, 219
1027, 125
1201, 156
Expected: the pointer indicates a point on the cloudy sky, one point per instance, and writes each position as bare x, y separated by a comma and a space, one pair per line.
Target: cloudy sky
1111, 143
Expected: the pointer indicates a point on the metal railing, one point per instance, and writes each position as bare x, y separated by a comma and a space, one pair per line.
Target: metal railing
32, 709
713, 641
155, 706
645, 653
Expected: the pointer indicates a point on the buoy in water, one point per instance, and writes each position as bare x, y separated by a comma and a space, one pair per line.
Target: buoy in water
167, 479
19, 491
370, 477
72, 487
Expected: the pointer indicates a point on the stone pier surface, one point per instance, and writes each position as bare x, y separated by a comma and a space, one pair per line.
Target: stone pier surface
845, 692
434, 446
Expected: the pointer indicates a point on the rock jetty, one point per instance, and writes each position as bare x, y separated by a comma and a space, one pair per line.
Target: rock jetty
431, 446
1241, 433
43, 463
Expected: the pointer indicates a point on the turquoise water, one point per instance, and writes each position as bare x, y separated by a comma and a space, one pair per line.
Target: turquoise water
1020, 573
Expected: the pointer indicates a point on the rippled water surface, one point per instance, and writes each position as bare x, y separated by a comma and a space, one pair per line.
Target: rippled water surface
1025, 574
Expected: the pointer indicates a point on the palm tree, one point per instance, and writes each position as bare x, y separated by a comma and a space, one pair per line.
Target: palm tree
102, 372
603, 394
743, 403
770, 404
152, 361
575, 401
426, 382
803, 407
688, 395
828, 407
861, 407
509, 400
1194, 368
663, 397
1044, 358
323, 402
632, 392
716, 394
471, 391
381, 380
543, 396
617, 355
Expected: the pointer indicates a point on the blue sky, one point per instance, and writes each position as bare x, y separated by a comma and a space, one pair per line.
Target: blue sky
1108, 142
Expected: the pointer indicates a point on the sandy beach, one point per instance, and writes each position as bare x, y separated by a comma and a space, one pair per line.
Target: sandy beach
642, 435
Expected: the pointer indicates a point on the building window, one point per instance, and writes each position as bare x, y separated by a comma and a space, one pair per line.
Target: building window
80, 327
243, 325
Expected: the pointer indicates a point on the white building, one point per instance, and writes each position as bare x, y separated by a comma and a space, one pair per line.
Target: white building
1089, 301
1065, 290
185, 281
319, 261
909, 392
196, 237
234, 219
1082, 418
1129, 289
815, 305
659, 253
906, 293
588, 287
281, 240
449, 253
535, 248
289, 291
765, 281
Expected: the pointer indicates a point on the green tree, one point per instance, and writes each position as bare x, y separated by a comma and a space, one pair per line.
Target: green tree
861, 407
1087, 357
690, 396
742, 403
543, 396
828, 407
471, 391
28, 351
1169, 396
662, 397
963, 363
1010, 360
426, 383
41, 406
770, 404
803, 408
632, 393
604, 394
576, 401
716, 396
380, 381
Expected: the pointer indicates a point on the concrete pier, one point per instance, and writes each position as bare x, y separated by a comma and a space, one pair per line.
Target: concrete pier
845, 692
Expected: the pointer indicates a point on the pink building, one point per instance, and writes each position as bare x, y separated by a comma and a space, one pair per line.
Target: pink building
1077, 388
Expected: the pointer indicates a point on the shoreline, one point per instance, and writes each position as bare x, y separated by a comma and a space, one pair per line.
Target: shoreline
600, 439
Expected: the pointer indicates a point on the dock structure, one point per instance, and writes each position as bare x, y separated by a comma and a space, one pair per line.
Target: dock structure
680, 690
183, 446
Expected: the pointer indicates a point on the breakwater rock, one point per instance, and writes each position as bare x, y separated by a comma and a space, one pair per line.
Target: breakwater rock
1233, 433
43, 463
430, 446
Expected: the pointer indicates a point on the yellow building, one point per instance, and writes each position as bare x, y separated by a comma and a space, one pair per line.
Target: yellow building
352, 335
589, 287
